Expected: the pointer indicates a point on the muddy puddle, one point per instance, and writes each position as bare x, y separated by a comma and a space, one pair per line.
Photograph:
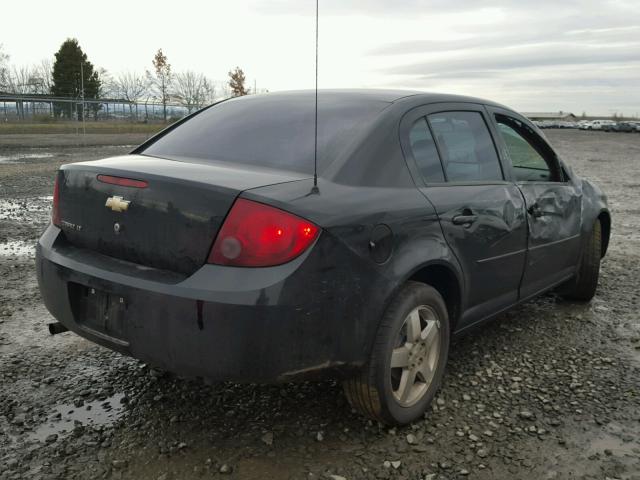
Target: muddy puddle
24, 157
619, 442
66, 416
33, 208
17, 248
607, 442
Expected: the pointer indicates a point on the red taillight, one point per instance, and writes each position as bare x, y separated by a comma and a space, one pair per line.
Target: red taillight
122, 181
257, 235
55, 210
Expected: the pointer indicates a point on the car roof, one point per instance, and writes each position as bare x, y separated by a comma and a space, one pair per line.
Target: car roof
381, 95
385, 95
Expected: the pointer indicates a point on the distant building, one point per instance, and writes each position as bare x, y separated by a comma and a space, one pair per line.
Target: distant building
548, 116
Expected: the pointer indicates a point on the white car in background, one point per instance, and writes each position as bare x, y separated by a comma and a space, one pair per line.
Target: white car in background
598, 124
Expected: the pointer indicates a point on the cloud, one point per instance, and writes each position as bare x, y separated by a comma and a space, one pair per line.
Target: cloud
366, 7
509, 39
575, 55
412, 8
542, 55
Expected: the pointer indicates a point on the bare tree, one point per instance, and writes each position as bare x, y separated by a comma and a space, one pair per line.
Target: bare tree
131, 87
161, 79
222, 89
22, 80
193, 90
43, 72
4, 69
108, 87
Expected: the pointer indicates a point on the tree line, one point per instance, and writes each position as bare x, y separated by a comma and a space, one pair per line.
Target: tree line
72, 75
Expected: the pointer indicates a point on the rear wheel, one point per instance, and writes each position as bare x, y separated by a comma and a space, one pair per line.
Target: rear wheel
408, 358
583, 286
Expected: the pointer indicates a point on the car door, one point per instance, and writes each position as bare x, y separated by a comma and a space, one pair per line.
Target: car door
553, 203
453, 157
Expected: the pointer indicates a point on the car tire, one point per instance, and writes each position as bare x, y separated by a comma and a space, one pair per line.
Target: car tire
583, 286
377, 391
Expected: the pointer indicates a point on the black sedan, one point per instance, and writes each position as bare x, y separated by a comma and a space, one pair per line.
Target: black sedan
212, 251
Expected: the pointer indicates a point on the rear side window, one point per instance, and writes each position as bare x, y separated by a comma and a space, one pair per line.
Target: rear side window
272, 130
425, 153
466, 146
531, 160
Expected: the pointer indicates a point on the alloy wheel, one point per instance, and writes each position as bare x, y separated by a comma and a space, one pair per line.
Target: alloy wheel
414, 359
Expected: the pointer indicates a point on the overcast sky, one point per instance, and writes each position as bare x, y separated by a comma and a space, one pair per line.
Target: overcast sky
543, 55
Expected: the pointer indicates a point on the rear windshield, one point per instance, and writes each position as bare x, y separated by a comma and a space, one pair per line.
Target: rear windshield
272, 130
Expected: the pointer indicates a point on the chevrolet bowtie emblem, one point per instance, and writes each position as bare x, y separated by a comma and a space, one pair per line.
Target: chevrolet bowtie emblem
117, 204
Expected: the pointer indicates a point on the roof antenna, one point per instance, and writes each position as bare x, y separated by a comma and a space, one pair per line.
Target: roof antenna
315, 138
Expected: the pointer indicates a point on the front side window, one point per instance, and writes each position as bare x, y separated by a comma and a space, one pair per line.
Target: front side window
530, 159
466, 147
425, 153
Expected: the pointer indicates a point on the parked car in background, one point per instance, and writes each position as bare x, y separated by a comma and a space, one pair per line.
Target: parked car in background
213, 250
599, 124
566, 124
620, 127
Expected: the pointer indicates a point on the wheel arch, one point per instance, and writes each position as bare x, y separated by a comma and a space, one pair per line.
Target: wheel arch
446, 280
595, 208
605, 224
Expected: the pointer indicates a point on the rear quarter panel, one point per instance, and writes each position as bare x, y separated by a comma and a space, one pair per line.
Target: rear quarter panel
349, 215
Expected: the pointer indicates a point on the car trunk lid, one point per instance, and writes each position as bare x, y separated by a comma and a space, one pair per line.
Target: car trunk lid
166, 215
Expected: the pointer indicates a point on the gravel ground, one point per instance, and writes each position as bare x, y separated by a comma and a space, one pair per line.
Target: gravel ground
549, 390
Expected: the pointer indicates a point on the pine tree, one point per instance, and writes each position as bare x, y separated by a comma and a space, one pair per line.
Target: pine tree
69, 68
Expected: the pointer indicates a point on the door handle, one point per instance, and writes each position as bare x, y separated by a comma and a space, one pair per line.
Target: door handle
535, 211
465, 220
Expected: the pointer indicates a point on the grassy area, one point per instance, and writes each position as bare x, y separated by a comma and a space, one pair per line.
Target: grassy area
74, 127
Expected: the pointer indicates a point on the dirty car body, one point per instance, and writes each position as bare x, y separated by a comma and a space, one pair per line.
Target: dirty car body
411, 186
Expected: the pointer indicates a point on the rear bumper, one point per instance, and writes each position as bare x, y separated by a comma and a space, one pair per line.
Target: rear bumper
221, 323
